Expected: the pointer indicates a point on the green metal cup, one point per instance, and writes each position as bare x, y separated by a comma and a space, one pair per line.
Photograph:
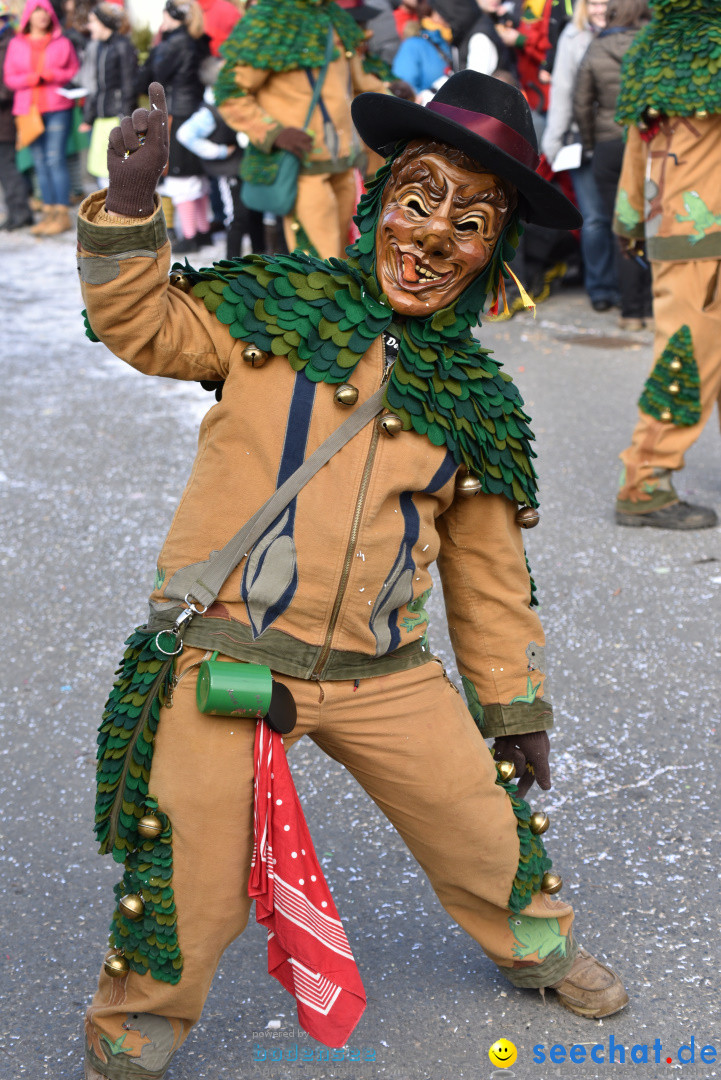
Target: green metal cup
228, 688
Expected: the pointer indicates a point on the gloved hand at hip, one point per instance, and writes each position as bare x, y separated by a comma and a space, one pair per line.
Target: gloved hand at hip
529, 753
295, 140
137, 156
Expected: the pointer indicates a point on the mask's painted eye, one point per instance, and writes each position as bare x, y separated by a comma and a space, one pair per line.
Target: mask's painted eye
415, 204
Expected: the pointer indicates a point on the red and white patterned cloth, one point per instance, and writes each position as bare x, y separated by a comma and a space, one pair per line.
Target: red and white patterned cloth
308, 951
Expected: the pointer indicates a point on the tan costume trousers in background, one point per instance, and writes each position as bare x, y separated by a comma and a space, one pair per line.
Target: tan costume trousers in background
409, 740
683, 293
325, 207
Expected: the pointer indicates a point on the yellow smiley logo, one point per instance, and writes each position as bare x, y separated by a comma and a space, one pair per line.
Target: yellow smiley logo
503, 1053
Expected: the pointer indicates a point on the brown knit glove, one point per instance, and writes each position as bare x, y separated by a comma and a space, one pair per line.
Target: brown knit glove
529, 753
137, 156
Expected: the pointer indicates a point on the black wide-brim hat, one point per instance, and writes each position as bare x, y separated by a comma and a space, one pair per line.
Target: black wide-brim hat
486, 119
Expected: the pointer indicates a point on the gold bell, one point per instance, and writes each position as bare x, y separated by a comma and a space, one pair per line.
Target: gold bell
116, 965
701, 114
295, 225
527, 517
674, 388
538, 822
391, 425
131, 906
551, 883
253, 356
150, 826
467, 485
346, 394
651, 113
180, 281
666, 415
506, 770
348, 54
675, 364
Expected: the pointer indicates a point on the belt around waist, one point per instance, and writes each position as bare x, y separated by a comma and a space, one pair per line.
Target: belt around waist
285, 654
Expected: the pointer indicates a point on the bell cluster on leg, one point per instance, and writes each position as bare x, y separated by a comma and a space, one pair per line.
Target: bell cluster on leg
534, 869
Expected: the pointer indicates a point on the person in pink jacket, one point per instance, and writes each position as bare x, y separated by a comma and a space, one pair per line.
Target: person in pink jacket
40, 60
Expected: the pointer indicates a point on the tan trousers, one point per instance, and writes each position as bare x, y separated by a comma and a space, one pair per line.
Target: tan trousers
409, 740
683, 293
324, 207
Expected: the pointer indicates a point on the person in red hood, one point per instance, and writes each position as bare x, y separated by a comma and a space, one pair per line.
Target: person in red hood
219, 18
40, 60
531, 40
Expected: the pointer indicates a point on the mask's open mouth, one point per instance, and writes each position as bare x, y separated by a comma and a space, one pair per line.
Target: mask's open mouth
414, 275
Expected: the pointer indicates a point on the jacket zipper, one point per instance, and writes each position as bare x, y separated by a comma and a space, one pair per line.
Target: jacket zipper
355, 526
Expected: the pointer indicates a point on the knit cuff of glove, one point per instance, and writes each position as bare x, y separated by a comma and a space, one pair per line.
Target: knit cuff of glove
133, 198
106, 217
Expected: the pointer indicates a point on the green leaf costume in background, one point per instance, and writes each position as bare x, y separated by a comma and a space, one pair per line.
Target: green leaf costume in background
675, 368
324, 315
674, 63
283, 35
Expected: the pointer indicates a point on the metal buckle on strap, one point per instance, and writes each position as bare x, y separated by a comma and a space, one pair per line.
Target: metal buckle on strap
180, 623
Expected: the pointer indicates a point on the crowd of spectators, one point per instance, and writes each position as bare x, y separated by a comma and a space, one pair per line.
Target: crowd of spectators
70, 70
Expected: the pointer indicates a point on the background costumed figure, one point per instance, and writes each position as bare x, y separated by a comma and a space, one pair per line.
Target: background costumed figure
273, 58
669, 206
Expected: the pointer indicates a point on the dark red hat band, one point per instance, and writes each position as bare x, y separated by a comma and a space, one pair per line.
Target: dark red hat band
494, 131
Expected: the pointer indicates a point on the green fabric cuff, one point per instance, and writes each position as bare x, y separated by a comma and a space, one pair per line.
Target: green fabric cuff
656, 500
516, 719
122, 1067
150, 233
636, 232
520, 41
549, 972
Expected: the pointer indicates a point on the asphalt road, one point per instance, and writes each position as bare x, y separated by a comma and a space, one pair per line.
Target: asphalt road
93, 460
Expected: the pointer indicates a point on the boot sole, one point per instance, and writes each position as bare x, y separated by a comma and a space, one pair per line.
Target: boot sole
638, 521
589, 1013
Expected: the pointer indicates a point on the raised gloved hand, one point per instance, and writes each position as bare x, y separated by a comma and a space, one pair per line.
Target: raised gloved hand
137, 156
529, 753
296, 140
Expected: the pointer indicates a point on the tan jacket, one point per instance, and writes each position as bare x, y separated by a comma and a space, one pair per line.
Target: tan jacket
336, 587
669, 189
274, 100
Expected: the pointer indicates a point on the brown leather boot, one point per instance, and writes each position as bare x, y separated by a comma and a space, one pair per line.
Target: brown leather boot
39, 227
59, 222
591, 989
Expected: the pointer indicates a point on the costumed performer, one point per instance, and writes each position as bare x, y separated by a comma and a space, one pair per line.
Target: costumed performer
273, 59
669, 206
331, 595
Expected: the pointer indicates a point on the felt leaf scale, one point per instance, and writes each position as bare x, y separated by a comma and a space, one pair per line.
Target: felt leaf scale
125, 743
150, 943
533, 862
675, 368
674, 63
